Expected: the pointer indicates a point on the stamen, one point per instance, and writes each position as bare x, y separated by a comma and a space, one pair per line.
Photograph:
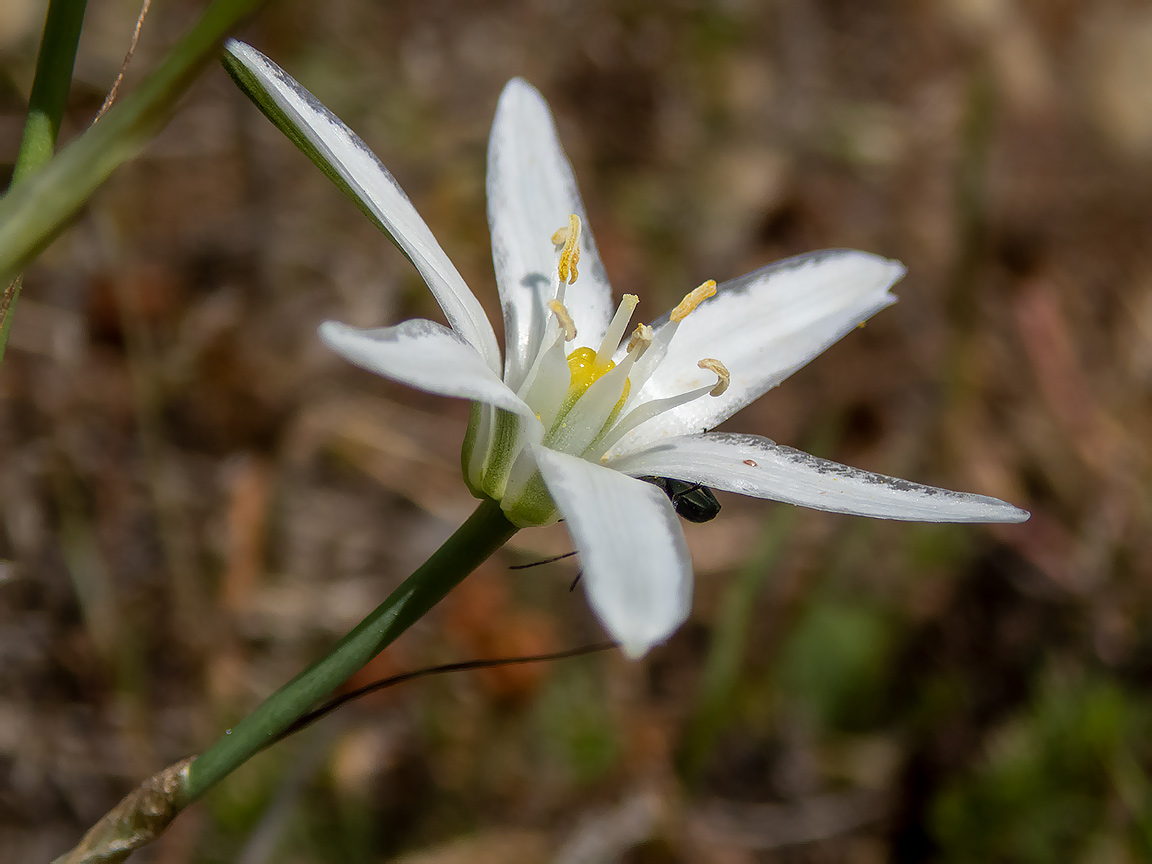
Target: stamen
596, 409
570, 254
565, 319
546, 385
616, 329
693, 299
641, 339
721, 372
656, 352
640, 414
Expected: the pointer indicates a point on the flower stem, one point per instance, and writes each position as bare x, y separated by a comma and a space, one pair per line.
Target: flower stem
485, 531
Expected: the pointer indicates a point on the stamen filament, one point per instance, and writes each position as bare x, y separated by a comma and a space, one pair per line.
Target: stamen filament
557, 286
658, 349
594, 411
641, 414
546, 382
616, 329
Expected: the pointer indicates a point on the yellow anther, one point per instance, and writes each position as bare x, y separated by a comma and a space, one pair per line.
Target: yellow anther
719, 368
641, 338
564, 318
570, 254
693, 299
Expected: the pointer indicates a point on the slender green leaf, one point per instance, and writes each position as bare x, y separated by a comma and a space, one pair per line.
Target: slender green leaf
40, 206
46, 105
50, 87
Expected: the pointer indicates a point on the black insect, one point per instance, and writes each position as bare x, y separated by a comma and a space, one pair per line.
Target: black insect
692, 501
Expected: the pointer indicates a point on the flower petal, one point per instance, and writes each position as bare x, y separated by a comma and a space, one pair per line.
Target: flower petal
634, 558
762, 327
427, 356
348, 162
756, 466
531, 192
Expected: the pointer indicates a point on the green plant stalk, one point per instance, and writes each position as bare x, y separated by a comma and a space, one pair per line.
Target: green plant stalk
46, 105
49, 94
39, 207
485, 531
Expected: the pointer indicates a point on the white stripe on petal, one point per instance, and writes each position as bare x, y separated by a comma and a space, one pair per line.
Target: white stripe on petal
348, 162
762, 327
755, 466
531, 193
427, 356
633, 555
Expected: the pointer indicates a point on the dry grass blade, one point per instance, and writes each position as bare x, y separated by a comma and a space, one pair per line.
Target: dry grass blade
111, 97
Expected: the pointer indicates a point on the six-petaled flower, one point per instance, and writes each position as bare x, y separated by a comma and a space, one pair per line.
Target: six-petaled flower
583, 404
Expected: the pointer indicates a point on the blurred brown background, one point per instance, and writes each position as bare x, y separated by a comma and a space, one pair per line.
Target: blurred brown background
196, 498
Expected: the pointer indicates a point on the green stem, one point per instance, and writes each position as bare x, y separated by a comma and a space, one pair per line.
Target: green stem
50, 87
485, 531
46, 105
39, 207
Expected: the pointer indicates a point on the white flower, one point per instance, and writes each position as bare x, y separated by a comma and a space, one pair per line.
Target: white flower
580, 408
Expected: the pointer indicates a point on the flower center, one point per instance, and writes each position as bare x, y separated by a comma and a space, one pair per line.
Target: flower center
586, 371
586, 402
595, 408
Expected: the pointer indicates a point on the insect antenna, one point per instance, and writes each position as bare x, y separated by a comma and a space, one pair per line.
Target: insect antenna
551, 560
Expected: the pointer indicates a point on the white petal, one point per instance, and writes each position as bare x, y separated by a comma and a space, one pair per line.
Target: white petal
348, 162
763, 327
756, 466
531, 192
635, 560
427, 356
